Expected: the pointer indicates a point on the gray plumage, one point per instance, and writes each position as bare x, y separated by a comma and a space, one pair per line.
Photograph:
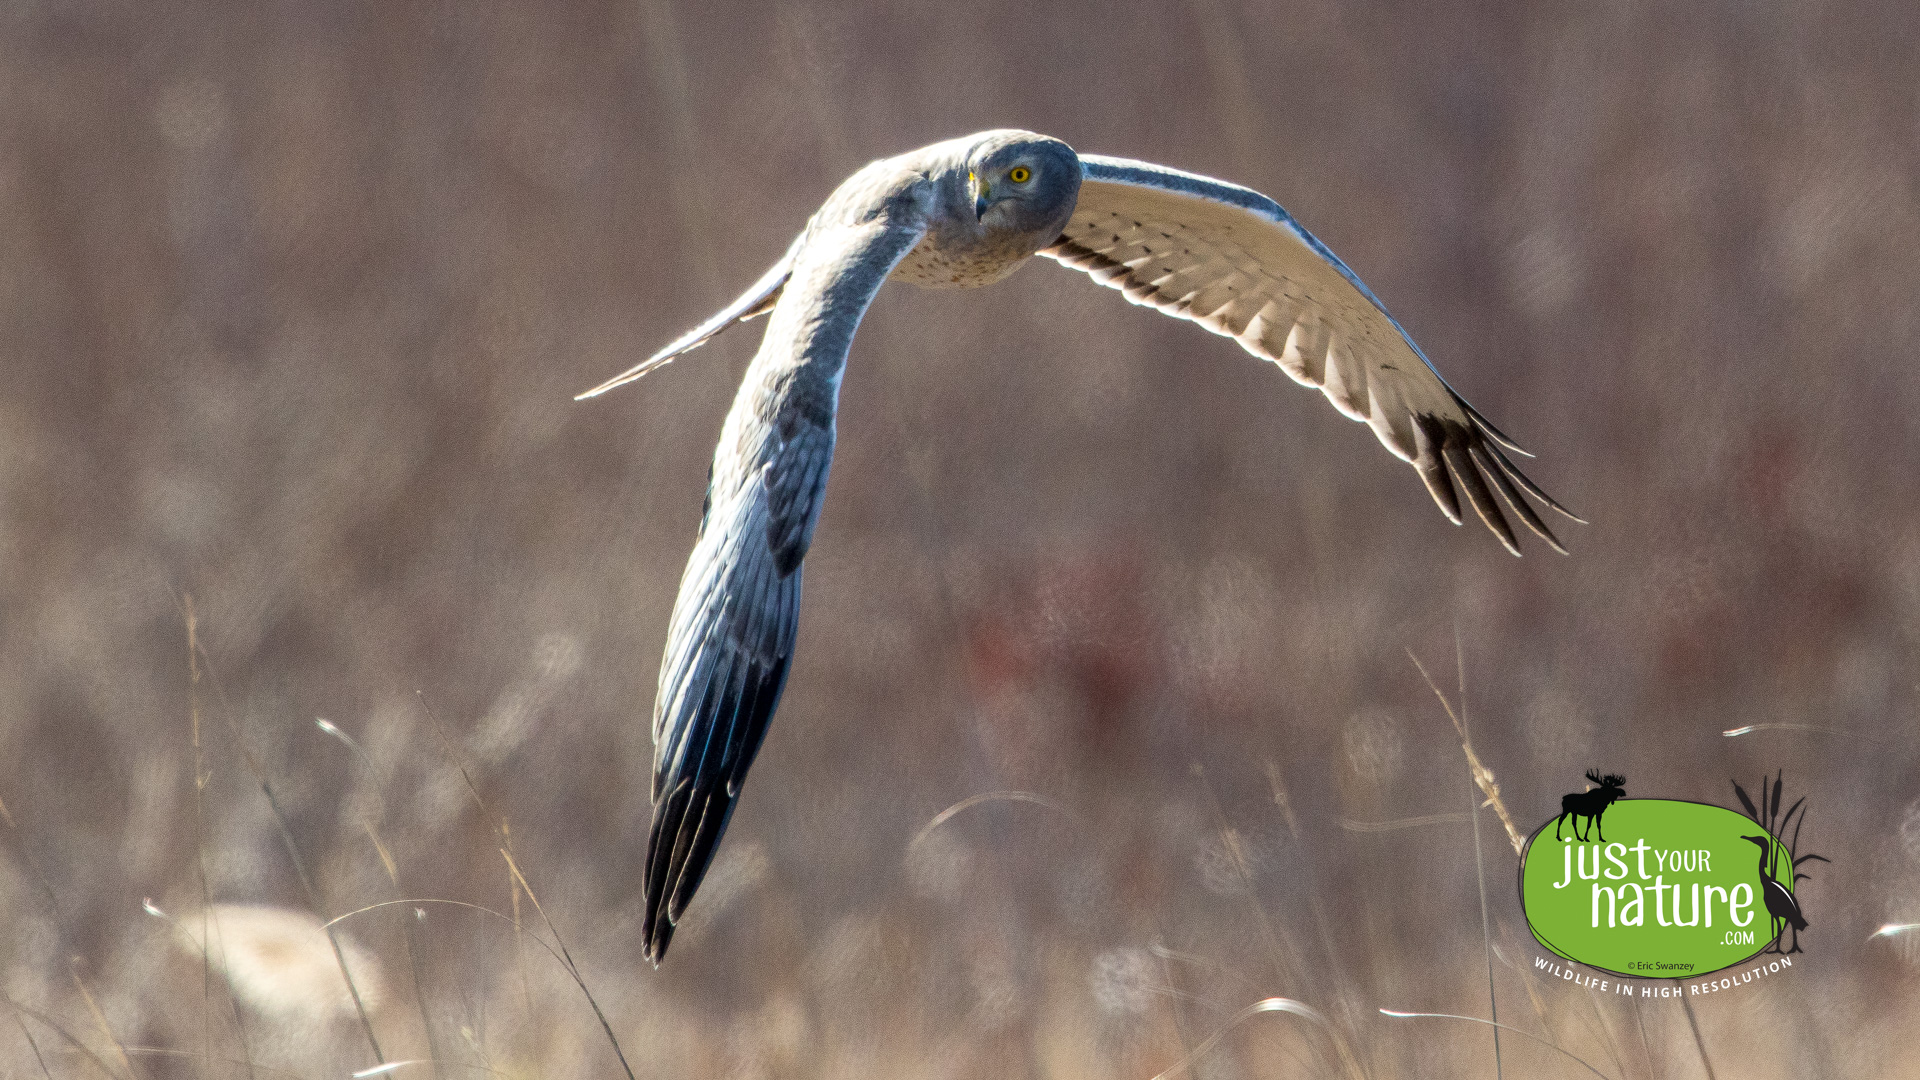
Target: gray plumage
958, 214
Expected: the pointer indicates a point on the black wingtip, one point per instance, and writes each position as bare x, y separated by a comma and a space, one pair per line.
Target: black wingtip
1460, 464
1427, 441
656, 949
1486, 427
1514, 500
1449, 452
656, 929
1494, 441
1532, 488
690, 819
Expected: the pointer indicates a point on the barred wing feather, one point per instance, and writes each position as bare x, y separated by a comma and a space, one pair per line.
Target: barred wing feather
1232, 260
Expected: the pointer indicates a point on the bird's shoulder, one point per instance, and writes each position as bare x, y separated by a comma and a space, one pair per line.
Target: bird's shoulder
899, 191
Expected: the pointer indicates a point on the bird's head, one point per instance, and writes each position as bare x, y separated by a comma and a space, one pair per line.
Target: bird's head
1023, 183
1764, 842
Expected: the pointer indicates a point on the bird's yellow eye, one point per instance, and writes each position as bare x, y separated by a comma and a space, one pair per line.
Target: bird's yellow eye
1020, 174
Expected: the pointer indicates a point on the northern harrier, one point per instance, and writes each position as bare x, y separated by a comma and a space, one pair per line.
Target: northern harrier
964, 213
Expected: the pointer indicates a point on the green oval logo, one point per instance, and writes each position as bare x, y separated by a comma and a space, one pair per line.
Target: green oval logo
1675, 889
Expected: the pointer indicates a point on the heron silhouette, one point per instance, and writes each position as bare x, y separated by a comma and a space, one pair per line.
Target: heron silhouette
1780, 902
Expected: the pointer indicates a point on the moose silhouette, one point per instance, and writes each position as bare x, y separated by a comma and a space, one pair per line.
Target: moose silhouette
1590, 804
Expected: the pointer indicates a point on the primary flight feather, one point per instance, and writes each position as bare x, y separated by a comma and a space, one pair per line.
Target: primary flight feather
964, 213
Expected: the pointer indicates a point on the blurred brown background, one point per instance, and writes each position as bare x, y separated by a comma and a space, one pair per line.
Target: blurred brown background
293, 297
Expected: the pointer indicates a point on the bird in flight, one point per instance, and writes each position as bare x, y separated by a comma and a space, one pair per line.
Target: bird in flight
958, 214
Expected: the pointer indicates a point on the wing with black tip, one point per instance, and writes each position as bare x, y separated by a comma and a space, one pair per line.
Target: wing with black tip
1232, 260
735, 620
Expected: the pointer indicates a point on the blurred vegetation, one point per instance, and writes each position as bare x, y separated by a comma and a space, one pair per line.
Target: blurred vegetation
293, 296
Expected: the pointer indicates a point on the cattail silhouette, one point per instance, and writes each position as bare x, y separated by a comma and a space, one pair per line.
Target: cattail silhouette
1779, 898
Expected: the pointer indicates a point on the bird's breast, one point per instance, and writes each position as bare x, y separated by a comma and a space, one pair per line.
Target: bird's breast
949, 262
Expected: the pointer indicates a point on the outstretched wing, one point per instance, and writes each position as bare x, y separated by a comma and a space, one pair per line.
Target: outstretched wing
734, 621
756, 301
1232, 260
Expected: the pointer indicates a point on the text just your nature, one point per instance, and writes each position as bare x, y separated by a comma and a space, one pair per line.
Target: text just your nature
1626, 904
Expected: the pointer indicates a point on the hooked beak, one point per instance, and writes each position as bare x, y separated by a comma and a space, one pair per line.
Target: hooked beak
978, 188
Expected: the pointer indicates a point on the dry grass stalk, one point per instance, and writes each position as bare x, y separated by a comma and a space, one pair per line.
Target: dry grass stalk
971, 801
200, 776
100, 1019
1287, 960
410, 938
1482, 776
1503, 1027
1267, 1005
59, 1029
506, 852
34, 1045
163, 1051
199, 658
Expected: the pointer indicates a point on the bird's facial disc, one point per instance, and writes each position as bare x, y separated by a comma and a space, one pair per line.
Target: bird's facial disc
1025, 187
1000, 182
